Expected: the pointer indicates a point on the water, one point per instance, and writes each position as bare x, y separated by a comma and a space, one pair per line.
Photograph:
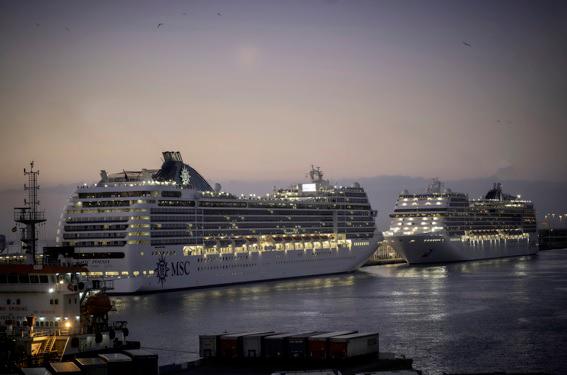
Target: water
495, 315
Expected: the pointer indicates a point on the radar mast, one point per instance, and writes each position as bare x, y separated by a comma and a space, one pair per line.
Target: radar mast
30, 215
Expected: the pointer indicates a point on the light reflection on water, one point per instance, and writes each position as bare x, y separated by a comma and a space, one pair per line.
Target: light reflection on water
496, 315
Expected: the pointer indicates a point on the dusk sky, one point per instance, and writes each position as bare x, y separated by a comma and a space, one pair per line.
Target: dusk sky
260, 90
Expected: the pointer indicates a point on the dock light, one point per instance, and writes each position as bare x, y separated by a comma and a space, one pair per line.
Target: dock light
67, 324
50, 290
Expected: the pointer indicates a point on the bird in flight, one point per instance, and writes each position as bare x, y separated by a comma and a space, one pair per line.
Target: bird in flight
36, 24
159, 25
219, 14
184, 13
467, 44
68, 29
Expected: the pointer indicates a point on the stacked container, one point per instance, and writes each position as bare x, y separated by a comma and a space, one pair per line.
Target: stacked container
92, 366
276, 346
231, 345
318, 345
252, 345
117, 363
144, 362
68, 368
209, 345
34, 371
353, 345
297, 345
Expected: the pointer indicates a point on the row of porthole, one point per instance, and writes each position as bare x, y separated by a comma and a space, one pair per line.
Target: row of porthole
299, 260
226, 267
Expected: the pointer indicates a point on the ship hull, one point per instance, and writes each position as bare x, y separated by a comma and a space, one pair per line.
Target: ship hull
426, 249
171, 270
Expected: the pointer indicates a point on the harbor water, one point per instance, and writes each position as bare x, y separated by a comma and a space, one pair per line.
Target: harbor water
493, 315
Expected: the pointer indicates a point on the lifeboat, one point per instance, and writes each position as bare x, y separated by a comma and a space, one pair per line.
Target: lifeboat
98, 304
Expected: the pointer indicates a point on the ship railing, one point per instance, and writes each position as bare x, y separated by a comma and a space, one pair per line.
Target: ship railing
24, 215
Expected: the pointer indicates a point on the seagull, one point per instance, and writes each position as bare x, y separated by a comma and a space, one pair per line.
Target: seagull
159, 25
467, 44
68, 29
36, 24
184, 13
219, 14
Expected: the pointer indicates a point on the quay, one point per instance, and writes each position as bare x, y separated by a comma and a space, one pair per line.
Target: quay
382, 363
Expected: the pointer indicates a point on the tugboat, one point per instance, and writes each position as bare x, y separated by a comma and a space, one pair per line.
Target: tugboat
49, 310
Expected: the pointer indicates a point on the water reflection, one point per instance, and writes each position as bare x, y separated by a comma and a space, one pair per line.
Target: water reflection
481, 316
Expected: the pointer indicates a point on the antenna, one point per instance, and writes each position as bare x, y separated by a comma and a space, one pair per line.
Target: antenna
29, 215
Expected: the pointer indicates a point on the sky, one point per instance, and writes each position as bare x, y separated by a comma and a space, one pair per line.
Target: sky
260, 90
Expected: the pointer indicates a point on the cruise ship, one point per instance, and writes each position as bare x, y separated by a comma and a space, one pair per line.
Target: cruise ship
441, 226
163, 229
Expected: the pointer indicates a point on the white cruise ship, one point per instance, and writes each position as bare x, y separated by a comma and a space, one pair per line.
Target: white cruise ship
443, 226
164, 229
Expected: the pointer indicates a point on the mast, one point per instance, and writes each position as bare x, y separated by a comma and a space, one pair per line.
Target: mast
29, 215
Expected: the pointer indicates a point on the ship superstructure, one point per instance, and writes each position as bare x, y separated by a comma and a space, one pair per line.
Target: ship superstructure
48, 310
167, 228
445, 226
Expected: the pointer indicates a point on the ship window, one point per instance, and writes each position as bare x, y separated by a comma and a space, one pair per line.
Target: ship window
56, 301
43, 279
34, 279
2, 278
24, 278
18, 301
8, 301
12, 278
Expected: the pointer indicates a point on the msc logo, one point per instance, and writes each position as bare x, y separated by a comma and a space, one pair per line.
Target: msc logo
177, 269
161, 270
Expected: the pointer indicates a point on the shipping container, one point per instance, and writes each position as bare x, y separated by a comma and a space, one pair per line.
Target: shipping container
353, 345
297, 345
68, 368
144, 362
92, 366
209, 345
276, 346
252, 344
117, 363
318, 345
231, 344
